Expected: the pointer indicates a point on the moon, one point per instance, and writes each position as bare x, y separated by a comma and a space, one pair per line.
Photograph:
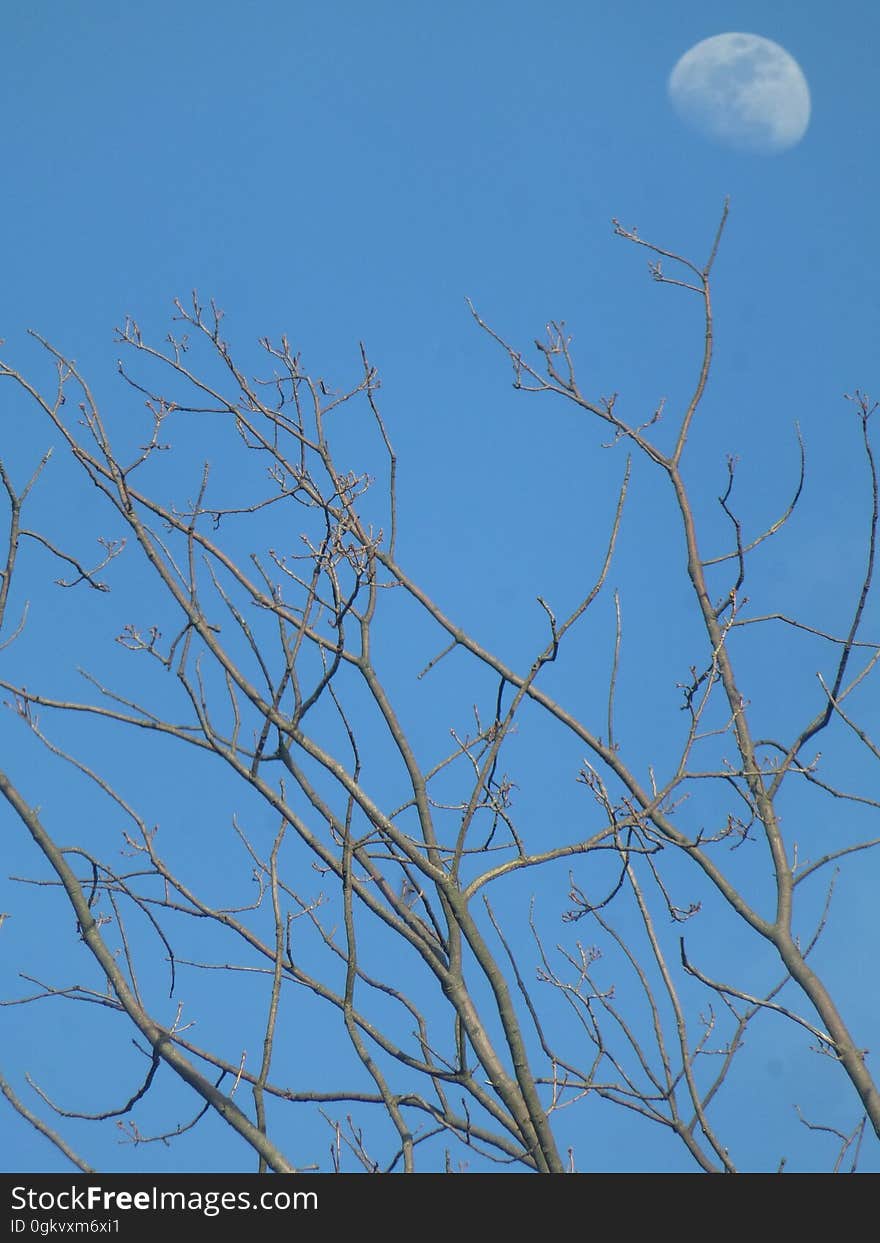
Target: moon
744, 91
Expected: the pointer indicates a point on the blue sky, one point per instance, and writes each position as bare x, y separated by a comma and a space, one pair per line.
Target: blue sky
345, 172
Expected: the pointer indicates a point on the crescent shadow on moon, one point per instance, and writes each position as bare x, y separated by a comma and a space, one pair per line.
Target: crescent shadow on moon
744, 91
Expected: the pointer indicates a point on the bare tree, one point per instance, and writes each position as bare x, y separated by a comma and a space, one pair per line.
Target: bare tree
377, 881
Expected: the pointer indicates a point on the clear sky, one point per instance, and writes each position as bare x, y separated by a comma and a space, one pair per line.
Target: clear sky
347, 171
